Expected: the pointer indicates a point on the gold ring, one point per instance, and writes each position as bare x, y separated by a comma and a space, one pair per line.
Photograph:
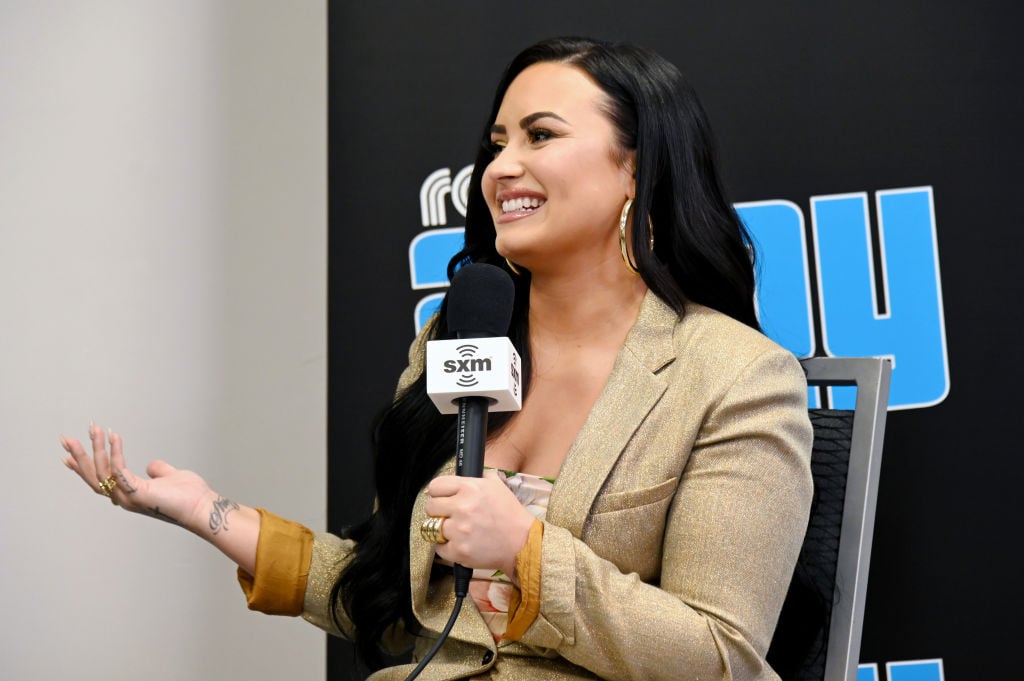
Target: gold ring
432, 530
107, 485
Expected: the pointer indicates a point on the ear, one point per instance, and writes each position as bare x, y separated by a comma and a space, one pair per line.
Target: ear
629, 174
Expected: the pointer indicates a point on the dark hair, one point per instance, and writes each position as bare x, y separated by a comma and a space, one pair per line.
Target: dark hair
702, 254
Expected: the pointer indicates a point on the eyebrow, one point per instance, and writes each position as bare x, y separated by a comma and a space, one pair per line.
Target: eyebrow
527, 121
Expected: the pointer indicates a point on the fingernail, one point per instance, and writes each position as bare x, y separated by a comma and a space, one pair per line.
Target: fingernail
67, 462
110, 434
92, 427
64, 445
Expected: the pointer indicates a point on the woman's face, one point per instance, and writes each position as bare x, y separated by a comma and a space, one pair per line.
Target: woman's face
558, 181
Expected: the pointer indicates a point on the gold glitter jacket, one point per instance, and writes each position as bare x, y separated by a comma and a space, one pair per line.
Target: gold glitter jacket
672, 531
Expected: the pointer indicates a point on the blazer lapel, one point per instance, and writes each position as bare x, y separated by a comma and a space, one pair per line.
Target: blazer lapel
632, 390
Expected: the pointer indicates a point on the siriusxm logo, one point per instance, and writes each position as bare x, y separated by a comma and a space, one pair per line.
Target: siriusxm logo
467, 365
486, 367
878, 291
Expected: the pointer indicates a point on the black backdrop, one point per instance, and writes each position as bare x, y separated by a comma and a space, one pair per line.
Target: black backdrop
805, 100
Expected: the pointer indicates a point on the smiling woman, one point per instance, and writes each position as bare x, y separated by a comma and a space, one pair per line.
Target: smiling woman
643, 511
551, 131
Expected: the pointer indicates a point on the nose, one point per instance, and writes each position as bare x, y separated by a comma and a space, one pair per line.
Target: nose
507, 165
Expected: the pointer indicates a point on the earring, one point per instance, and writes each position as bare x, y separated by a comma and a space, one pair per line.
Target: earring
623, 223
511, 266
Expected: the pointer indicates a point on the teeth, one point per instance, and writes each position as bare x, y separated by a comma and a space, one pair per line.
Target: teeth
520, 204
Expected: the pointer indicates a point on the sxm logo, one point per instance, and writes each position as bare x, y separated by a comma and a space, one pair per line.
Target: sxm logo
895, 312
910, 670
467, 365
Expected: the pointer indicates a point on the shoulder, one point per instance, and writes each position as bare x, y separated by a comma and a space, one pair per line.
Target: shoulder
742, 380
709, 348
718, 337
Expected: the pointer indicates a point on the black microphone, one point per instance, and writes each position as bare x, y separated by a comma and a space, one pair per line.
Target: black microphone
479, 306
478, 371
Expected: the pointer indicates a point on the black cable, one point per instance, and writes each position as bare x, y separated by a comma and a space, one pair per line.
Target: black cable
440, 641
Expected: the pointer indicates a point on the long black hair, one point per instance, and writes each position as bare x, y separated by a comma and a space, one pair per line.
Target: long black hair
702, 253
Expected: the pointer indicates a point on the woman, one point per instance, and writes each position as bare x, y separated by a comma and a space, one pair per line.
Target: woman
663, 447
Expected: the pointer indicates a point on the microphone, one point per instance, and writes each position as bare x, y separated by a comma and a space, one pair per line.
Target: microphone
477, 371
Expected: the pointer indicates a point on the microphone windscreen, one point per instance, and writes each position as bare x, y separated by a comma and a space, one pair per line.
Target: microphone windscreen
480, 301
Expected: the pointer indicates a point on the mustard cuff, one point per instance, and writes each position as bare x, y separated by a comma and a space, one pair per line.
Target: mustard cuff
524, 603
283, 554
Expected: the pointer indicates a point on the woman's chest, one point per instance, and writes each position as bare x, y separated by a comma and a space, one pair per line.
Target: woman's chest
537, 439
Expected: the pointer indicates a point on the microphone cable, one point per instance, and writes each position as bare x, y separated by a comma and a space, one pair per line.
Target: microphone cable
476, 420
440, 641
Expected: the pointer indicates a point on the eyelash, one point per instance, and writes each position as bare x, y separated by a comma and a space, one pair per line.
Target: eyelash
492, 147
533, 135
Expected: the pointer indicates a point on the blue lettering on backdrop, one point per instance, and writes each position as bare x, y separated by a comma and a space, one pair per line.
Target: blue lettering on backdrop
429, 254
911, 670
783, 280
910, 330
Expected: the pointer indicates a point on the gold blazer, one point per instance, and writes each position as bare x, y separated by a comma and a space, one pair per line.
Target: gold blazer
672, 530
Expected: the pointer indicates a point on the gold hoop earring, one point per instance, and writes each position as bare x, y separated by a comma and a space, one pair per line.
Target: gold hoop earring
623, 223
511, 266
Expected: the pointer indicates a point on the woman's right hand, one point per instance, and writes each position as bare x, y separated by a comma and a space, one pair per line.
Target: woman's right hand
172, 495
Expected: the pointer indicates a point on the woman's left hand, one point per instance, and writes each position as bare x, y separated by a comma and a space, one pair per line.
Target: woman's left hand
485, 524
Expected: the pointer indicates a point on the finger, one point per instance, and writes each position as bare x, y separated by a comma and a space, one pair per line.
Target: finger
99, 451
445, 551
127, 482
127, 487
116, 450
439, 507
70, 463
68, 460
82, 462
158, 469
444, 486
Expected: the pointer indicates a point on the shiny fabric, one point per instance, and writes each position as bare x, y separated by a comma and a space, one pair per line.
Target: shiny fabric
672, 530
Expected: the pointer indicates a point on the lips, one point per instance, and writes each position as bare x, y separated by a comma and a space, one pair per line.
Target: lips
514, 204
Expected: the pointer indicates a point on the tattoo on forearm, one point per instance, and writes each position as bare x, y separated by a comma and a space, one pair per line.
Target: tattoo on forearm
125, 485
219, 515
162, 516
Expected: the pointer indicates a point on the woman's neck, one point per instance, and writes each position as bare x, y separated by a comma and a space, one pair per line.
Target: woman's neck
588, 306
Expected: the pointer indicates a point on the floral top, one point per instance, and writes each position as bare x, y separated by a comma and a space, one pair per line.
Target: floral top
491, 589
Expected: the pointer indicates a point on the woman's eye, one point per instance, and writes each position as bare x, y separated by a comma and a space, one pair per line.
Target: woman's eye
494, 146
538, 135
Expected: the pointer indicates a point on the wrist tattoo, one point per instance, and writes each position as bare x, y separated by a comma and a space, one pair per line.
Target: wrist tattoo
162, 516
219, 515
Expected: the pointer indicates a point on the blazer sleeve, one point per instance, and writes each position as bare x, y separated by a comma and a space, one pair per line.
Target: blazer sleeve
330, 554
732, 534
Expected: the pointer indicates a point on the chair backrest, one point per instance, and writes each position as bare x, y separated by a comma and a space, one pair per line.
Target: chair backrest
819, 631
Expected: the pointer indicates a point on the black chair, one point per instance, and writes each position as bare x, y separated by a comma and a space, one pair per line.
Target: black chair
819, 630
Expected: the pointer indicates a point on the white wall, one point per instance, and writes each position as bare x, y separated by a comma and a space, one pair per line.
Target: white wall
162, 271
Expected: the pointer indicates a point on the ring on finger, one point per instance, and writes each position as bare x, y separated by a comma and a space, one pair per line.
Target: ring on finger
432, 530
107, 485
